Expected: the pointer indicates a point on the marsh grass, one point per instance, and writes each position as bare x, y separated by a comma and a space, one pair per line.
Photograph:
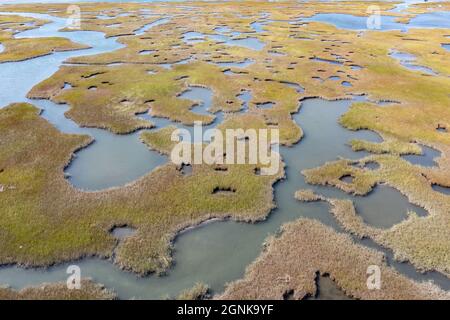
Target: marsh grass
416, 239
290, 262
59, 291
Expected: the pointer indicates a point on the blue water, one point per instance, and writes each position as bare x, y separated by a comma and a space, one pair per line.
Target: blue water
148, 26
115, 160
241, 64
276, 53
245, 97
426, 159
250, 42
431, 20
407, 60
14, 88
202, 100
346, 84
112, 160
71, 1
381, 216
146, 52
202, 96
296, 86
218, 252
441, 189
265, 105
258, 27
193, 37
327, 61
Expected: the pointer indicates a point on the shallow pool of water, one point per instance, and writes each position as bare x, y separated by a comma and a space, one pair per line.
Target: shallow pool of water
122, 233
112, 160
265, 105
193, 37
327, 289
115, 160
202, 96
407, 60
148, 26
257, 26
71, 1
347, 21
245, 97
351, 22
441, 189
395, 207
346, 84
250, 42
240, 64
146, 52
431, 20
19, 77
426, 159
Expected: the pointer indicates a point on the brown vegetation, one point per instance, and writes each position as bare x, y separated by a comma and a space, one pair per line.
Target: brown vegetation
289, 264
59, 291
